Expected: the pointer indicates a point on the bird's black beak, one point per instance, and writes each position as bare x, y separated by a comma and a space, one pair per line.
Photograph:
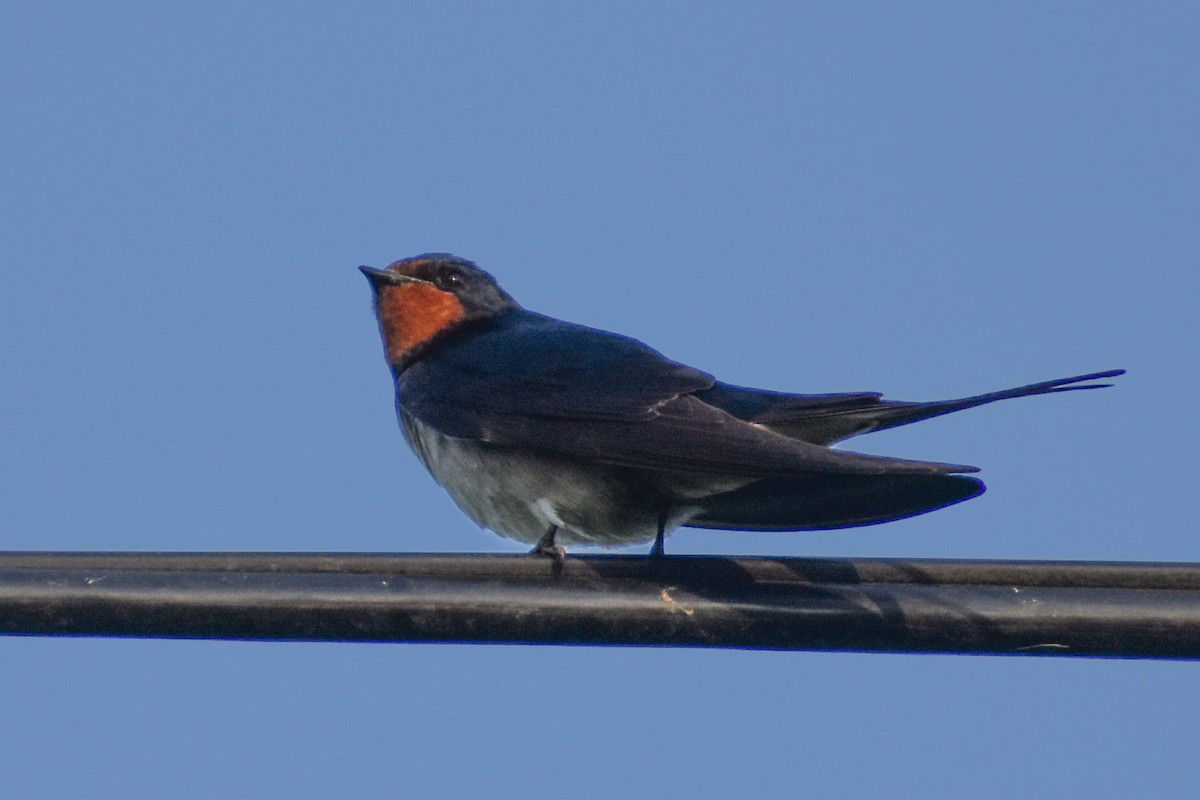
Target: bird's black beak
381, 277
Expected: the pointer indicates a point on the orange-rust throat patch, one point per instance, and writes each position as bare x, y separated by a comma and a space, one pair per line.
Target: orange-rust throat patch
411, 314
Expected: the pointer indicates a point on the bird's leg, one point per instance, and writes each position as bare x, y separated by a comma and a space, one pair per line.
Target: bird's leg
547, 547
657, 550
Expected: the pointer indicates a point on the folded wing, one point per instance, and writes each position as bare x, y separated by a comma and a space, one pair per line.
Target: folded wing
532, 381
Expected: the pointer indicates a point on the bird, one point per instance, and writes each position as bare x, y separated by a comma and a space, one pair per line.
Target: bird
552, 433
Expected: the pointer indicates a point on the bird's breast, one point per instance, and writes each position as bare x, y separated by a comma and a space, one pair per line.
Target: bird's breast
520, 493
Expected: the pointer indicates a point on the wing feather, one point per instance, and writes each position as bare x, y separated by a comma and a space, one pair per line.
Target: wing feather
532, 381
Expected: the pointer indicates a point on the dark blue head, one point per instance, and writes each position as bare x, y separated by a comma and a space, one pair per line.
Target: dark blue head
419, 300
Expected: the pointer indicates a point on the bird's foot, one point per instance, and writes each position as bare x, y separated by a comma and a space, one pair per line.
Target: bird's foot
547, 548
548, 551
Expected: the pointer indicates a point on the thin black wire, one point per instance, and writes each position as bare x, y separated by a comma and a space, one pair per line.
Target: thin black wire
1099, 609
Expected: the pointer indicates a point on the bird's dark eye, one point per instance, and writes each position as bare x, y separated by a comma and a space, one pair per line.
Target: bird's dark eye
450, 280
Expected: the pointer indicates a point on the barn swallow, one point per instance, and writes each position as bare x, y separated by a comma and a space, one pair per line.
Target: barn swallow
553, 433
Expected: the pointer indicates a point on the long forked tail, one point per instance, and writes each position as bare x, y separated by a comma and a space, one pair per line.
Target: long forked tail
832, 418
895, 414
1045, 387
900, 413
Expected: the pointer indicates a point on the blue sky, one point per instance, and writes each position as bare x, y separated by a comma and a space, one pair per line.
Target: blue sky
929, 200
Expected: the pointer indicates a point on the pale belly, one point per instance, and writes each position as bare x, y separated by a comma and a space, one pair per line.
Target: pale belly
521, 494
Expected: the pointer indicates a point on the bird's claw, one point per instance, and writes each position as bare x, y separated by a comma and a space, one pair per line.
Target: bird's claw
548, 551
